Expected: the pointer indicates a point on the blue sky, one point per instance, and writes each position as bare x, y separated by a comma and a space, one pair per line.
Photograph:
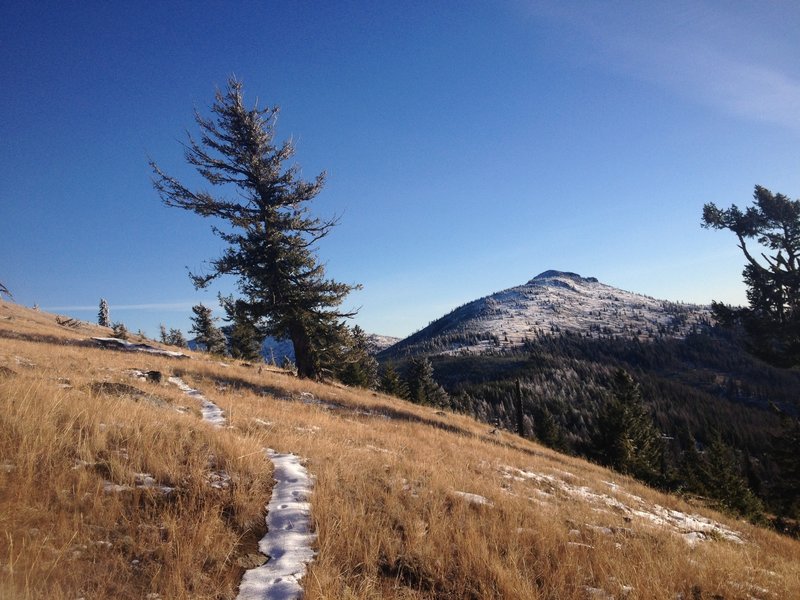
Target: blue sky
469, 145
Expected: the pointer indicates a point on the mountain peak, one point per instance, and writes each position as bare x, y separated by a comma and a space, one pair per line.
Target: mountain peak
553, 274
552, 303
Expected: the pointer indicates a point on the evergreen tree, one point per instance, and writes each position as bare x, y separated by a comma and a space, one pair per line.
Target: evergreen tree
422, 387
772, 320
118, 330
176, 338
163, 336
243, 336
786, 453
391, 383
359, 367
102, 316
691, 469
270, 234
546, 429
626, 437
4, 291
206, 332
724, 482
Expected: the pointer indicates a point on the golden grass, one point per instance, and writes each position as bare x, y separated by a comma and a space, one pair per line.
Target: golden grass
387, 505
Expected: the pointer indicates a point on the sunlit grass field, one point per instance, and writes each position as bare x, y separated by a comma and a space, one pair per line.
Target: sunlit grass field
112, 486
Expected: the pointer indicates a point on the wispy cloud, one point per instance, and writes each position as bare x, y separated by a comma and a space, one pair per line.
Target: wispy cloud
163, 306
702, 71
731, 58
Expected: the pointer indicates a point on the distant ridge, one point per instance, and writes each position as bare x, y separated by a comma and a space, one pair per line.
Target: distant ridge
552, 303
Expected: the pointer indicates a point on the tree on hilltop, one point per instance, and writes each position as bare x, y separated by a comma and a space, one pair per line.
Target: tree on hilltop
267, 225
243, 336
119, 331
4, 291
358, 367
103, 318
206, 332
175, 338
771, 322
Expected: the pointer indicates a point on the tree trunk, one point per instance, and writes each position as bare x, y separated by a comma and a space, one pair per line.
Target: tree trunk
303, 356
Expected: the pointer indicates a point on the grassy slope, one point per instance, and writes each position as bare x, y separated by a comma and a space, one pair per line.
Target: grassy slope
389, 522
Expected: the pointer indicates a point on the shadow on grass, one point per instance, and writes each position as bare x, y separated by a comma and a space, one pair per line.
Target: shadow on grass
39, 338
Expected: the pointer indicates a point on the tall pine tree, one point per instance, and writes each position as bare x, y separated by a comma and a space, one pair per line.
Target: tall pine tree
626, 438
267, 225
422, 387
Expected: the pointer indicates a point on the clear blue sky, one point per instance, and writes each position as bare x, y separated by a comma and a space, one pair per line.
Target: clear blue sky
470, 145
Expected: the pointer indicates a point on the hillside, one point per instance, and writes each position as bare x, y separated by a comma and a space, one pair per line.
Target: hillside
553, 302
129, 474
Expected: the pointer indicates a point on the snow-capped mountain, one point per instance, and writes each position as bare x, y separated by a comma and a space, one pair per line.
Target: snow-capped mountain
379, 343
552, 303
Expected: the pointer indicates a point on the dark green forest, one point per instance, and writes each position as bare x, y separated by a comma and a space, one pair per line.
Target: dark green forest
722, 417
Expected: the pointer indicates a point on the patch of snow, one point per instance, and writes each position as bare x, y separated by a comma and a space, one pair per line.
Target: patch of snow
580, 545
127, 346
597, 593
474, 498
111, 487
600, 529
288, 540
311, 430
24, 362
211, 412
219, 480
80, 464
693, 528
308, 398
142, 481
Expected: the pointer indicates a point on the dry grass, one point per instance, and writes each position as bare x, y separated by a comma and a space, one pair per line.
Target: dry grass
387, 507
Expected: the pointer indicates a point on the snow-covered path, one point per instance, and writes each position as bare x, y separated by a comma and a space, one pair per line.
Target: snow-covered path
288, 540
211, 412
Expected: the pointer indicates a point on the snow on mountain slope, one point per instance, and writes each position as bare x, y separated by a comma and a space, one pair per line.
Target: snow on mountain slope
551, 303
378, 343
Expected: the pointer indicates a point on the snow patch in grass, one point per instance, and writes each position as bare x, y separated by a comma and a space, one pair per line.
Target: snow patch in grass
474, 498
142, 481
692, 528
118, 344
